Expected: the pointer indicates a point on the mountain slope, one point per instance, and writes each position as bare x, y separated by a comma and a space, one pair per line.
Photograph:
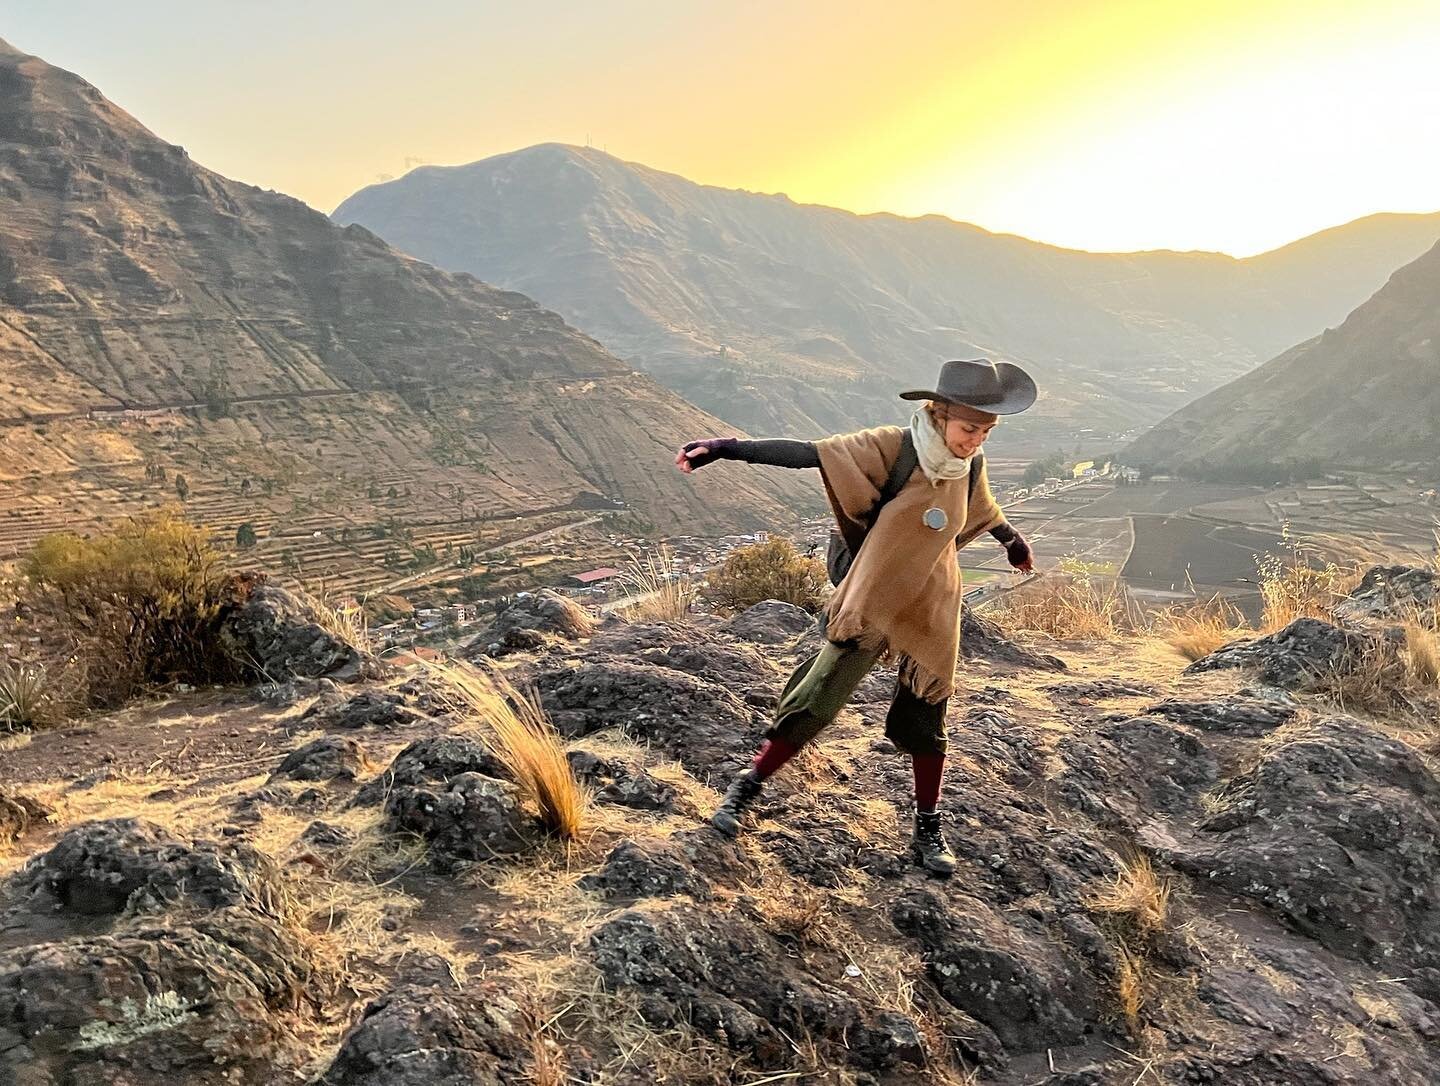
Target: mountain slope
1365, 393
787, 317
156, 318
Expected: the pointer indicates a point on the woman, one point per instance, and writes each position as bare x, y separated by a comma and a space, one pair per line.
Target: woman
901, 597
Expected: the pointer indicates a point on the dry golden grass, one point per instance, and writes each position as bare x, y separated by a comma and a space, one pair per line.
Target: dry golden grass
773, 570
1076, 602
1303, 582
1137, 897
343, 619
664, 596
28, 698
576, 619
1422, 654
1200, 629
514, 726
1130, 988
804, 915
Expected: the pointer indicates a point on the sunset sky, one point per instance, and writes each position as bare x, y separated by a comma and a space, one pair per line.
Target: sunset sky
1235, 125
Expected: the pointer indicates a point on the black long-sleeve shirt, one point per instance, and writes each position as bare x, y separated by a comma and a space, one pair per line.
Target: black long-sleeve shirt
785, 453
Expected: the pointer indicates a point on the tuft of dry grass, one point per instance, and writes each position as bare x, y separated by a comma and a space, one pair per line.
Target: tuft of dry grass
547, 1059
1130, 988
1076, 602
343, 619
1422, 654
1200, 629
664, 595
1301, 583
514, 726
1137, 897
573, 616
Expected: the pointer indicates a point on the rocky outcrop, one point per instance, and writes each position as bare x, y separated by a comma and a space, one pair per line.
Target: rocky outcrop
382, 709
169, 957
723, 976
428, 762
528, 622
1392, 594
983, 638
1240, 714
333, 757
770, 622
473, 817
1298, 656
646, 868
421, 1036
272, 631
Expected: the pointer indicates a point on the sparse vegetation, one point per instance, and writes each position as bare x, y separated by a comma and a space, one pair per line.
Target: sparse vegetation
773, 570
1076, 601
1137, 898
28, 698
139, 606
1300, 583
1200, 629
344, 619
665, 596
514, 726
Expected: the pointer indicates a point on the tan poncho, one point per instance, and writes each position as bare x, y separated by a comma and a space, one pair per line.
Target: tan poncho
903, 592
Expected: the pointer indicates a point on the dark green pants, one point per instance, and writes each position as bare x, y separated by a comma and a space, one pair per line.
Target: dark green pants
823, 684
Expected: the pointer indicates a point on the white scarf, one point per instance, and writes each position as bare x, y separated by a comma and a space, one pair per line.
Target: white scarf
936, 460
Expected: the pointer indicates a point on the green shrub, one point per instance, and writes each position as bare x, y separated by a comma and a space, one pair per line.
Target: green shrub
767, 571
27, 697
139, 606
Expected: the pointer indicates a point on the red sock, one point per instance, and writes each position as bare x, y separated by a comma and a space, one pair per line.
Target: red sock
774, 754
929, 770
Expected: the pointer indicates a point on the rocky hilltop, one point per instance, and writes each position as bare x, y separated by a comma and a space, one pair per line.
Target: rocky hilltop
789, 318
1200, 876
159, 319
1364, 394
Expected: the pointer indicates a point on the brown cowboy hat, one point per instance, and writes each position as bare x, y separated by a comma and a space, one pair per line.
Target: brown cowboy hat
1002, 388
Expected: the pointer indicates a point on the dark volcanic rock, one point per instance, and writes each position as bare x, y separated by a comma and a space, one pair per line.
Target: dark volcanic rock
1337, 831
1123, 771
428, 762
18, 813
645, 868
367, 709
129, 866
1012, 976
525, 623
1295, 657
473, 817
272, 631
325, 759
422, 1036
1393, 593
727, 978
981, 637
201, 1004
770, 622
1233, 714
729, 665
702, 724
620, 783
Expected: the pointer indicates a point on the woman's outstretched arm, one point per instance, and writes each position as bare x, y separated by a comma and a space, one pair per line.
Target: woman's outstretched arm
776, 452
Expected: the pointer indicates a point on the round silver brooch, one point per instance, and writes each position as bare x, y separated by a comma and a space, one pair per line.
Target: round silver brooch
935, 518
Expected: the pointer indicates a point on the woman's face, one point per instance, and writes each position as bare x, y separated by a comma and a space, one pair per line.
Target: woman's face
963, 437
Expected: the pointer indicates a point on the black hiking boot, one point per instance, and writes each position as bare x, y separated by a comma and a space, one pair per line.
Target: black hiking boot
742, 793
931, 851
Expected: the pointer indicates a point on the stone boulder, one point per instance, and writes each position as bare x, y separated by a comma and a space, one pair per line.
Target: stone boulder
1336, 830
1240, 714
129, 867
1393, 593
428, 762
727, 978
333, 757
18, 813
1009, 973
367, 709
205, 1004
980, 637
1298, 656
621, 784
645, 868
424, 1036
272, 631
703, 724
473, 817
1125, 771
528, 623
770, 622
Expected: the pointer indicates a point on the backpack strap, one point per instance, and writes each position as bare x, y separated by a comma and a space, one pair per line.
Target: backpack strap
977, 465
906, 461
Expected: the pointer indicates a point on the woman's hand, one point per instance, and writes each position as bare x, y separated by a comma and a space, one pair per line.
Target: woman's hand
697, 454
1020, 555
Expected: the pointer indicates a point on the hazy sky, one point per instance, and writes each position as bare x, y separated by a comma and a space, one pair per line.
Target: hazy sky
1230, 124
